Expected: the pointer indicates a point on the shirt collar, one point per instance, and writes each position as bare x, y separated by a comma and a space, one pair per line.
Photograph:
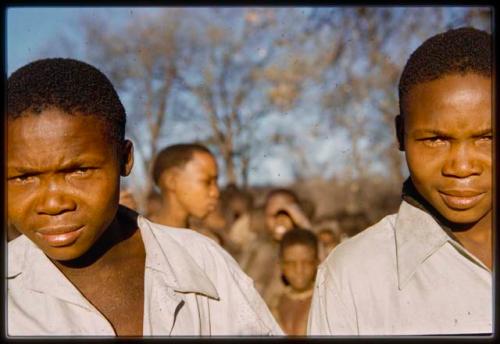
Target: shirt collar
419, 234
180, 270
39, 274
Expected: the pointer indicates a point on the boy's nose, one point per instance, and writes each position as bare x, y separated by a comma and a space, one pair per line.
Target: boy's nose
54, 201
462, 161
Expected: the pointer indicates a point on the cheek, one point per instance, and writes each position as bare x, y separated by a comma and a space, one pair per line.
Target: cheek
100, 192
288, 272
192, 192
311, 271
423, 164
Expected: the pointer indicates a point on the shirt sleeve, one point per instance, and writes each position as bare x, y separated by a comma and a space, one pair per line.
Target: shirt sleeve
330, 314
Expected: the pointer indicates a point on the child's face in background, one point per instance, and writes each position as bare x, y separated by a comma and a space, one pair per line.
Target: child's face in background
63, 180
196, 185
298, 264
448, 141
327, 239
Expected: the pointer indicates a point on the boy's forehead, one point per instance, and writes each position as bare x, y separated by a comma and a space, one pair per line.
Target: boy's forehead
302, 246
55, 122
201, 162
33, 137
451, 100
460, 86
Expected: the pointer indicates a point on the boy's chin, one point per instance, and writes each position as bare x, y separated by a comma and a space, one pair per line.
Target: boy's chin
200, 214
62, 254
462, 219
65, 253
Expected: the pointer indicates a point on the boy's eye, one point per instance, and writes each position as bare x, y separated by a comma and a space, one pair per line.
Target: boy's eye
23, 178
81, 171
486, 138
434, 141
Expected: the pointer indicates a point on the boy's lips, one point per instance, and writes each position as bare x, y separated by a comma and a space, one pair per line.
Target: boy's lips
59, 236
461, 199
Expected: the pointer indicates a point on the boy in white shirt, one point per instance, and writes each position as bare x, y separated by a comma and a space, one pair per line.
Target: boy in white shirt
427, 269
85, 265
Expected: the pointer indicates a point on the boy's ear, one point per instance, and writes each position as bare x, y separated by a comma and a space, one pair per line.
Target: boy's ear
399, 124
169, 179
127, 158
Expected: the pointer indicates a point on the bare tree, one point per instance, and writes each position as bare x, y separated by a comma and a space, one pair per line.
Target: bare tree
142, 60
236, 80
220, 72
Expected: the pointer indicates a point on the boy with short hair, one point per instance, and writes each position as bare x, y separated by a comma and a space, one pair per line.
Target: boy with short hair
283, 212
427, 269
85, 265
186, 175
298, 260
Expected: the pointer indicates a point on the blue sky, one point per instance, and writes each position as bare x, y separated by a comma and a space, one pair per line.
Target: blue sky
30, 29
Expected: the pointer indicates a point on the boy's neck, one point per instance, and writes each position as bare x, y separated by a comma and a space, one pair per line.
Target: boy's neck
109, 247
111, 276
299, 295
171, 213
474, 237
479, 232
477, 239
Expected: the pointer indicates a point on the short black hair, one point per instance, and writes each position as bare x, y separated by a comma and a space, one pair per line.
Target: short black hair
281, 191
175, 156
72, 86
458, 51
299, 236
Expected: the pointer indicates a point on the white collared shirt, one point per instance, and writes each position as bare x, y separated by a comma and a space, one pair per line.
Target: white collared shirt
402, 276
192, 287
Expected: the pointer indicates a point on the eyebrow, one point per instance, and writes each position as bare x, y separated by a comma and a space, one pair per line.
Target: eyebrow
72, 164
437, 132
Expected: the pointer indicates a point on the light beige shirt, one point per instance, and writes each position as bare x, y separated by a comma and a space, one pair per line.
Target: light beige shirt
402, 276
192, 287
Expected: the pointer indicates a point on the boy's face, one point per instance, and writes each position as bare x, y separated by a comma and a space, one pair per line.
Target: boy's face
327, 239
448, 140
298, 264
196, 185
63, 180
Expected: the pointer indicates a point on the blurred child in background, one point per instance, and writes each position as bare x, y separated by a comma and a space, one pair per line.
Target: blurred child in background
298, 260
282, 212
186, 174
